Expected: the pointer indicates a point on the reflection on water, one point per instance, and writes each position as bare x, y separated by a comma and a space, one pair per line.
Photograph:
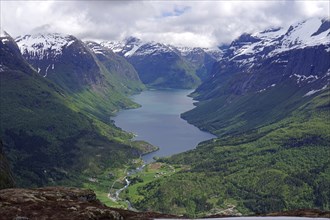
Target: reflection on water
158, 122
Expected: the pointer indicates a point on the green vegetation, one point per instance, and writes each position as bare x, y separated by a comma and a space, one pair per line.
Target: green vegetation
57, 133
282, 165
150, 173
45, 140
166, 71
144, 147
6, 178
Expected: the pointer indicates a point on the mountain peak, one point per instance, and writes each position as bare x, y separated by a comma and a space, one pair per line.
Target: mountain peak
307, 33
41, 45
132, 39
5, 37
3, 33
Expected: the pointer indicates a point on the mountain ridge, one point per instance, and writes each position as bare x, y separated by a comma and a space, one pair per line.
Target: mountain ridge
162, 65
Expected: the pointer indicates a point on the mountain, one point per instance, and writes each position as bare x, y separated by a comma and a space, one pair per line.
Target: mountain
161, 65
268, 103
74, 67
202, 59
62, 58
48, 138
122, 72
286, 66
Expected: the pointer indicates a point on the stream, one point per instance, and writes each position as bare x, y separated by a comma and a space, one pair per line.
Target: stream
117, 193
159, 122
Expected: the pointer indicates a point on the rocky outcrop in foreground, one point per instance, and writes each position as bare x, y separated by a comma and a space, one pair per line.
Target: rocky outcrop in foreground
61, 203
73, 203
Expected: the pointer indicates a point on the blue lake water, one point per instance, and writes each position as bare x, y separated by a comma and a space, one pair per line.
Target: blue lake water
158, 122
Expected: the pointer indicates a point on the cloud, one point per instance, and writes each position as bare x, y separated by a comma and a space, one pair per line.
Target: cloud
177, 11
188, 23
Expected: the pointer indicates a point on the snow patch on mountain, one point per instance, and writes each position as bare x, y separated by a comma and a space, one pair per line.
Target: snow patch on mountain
309, 33
4, 40
42, 46
152, 48
301, 35
4, 36
96, 48
133, 50
302, 78
46, 71
115, 46
312, 92
215, 52
135, 47
127, 47
262, 90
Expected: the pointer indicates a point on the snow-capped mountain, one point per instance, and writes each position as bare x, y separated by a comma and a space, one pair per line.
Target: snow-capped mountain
133, 46
158, 65
10, 56
164, 65
269, 43
267, 77
4, 36
202, 59
261, 61
63, 58
74, 65
42, 46
116, 65
215, 52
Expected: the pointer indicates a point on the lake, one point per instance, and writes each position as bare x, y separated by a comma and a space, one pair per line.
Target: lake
158, 121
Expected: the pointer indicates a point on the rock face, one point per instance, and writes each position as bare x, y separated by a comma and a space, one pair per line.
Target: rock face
52, 203
74, 203
60, 203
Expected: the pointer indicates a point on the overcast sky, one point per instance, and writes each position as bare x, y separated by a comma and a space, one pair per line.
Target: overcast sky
188, 23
